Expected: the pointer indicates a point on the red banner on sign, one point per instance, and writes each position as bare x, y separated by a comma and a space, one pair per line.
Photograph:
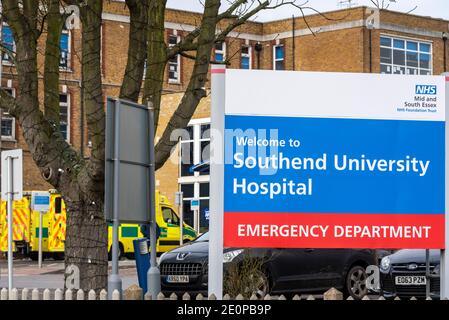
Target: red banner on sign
315, 230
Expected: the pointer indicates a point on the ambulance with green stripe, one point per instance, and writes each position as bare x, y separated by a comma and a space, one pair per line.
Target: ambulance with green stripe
169, 223
26, 228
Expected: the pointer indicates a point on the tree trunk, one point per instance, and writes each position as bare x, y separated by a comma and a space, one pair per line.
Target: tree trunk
51, 67
86, 242
157, 58
132, 80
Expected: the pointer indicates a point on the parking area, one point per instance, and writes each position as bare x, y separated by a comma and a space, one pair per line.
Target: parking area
51, 275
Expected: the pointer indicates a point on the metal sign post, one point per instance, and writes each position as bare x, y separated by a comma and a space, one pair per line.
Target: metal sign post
195, 207
444, 260
10, 222
11, 190
40, 240
128, 174
215, 282
40, 201
114, 280
179, 203
153, 275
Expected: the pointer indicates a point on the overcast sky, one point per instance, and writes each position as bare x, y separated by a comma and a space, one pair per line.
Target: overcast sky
433, 8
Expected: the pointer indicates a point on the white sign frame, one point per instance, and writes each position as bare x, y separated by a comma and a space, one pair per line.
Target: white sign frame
195, 204
218, 98
44, 208
17, 157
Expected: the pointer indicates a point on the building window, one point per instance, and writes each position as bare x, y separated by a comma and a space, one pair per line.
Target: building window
204, 143
220, 51
245, 60
64, 115
174, 64
194, 149
65, 50
187, 153
8, 125
8, 43
404, 56
279, 57
196, 190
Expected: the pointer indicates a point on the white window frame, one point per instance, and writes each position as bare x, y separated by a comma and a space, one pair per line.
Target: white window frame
69, 51
222, 51
197, 139
196, 179
247, 55
178, 63
12, 137
68, 113
7, 62
274, 56
406, 39
196, 194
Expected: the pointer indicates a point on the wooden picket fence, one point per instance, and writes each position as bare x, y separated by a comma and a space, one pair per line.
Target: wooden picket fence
135, 293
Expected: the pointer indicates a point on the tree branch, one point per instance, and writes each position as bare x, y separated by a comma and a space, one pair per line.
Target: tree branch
196, 88
93, 93
137, 50
157, 58
52, 60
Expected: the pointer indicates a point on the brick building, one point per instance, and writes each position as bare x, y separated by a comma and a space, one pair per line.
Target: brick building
345, 41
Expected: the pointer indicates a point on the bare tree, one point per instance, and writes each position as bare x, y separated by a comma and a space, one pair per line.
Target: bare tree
81, 181
385, 4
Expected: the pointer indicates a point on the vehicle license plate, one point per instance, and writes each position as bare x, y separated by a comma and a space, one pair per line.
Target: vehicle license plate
410, 280
177, 279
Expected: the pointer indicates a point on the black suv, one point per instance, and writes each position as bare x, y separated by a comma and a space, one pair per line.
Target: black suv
286, 271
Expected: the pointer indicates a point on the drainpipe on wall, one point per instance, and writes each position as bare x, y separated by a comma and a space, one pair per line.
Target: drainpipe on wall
258, 48
370, 27
293, 44
81, 114
445, 36
370, 48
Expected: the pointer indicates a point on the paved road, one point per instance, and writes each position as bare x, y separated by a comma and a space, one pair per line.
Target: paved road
28, 275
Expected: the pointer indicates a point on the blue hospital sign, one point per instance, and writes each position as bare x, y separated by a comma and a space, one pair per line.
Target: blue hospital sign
328, 160
40, 201
194, 204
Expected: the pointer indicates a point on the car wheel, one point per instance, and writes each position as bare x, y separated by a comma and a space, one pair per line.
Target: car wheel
130, 256
58, 256
34, 256
356, 283
120, 252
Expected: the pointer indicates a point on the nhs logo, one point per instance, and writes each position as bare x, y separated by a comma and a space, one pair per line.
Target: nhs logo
426, 89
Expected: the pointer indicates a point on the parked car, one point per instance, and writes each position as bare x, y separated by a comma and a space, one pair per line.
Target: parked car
403, 274
286, 271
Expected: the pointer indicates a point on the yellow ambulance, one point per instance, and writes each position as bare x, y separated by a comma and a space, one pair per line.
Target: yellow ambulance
26, 228
168, 220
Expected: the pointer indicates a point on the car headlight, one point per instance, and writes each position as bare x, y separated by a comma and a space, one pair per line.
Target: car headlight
230, 255
385, 264
162, 256
436, 270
